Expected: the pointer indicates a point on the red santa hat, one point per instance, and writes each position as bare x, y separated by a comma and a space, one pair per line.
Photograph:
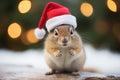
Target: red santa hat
54, 15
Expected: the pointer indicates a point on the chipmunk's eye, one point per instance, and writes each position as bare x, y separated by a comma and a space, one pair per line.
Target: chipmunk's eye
71, 31
55, 32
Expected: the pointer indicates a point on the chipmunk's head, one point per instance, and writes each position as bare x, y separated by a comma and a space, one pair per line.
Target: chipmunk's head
62, 35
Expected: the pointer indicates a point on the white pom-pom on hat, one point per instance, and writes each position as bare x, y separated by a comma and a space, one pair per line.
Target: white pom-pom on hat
39, 33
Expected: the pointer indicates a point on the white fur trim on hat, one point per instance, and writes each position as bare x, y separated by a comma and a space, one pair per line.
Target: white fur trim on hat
63, 19
39, 33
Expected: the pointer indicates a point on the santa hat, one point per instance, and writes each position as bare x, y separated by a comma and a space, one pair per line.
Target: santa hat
54, 15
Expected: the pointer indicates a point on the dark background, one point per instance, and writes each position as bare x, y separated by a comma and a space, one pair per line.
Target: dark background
101, 29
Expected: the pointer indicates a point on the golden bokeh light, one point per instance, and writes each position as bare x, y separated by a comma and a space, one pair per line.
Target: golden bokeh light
31, 37
24, 39
112, 5
24, 6
14, 30
86, 9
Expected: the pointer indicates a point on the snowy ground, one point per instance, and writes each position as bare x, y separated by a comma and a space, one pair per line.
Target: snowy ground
102, 60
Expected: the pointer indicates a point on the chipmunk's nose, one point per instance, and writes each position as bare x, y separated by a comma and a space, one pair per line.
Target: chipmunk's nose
64, 41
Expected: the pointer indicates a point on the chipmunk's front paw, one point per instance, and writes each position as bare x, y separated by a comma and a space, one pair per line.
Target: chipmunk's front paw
72, 52
58, 53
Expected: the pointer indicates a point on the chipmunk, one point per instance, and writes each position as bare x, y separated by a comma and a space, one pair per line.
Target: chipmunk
64, 50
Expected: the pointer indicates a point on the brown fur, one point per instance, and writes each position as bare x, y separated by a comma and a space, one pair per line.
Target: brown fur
52, 43
64, 50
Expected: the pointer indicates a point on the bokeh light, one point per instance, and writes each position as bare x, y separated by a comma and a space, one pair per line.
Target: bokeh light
86, 9
14, 30
101, 27
24, 6
31, 37
112, 5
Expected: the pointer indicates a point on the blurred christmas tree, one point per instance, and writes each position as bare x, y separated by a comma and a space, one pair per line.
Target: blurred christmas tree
98, 22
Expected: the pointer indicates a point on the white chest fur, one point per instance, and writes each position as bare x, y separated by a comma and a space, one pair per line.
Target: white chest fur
64, 62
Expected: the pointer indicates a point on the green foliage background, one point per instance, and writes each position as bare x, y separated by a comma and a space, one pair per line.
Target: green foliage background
86, 25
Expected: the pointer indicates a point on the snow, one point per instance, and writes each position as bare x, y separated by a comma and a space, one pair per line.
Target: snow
103, 60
